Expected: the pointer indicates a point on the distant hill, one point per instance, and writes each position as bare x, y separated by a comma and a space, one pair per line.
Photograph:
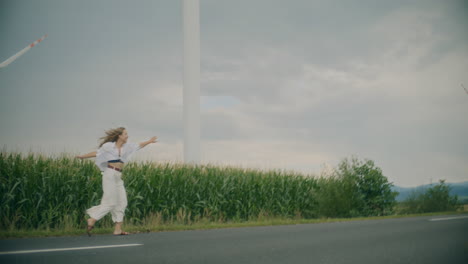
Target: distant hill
460, 189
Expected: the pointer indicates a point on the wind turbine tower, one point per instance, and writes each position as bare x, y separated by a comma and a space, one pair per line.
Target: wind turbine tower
191, 91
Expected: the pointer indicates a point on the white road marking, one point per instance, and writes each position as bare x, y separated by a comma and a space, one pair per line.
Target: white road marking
448, 218
65, 249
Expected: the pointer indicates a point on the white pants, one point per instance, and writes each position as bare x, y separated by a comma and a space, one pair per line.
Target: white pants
114, 199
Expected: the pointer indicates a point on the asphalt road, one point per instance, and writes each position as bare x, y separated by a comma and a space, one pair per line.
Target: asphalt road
406, 240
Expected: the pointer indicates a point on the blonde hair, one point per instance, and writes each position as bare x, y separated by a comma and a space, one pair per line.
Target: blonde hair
112, 135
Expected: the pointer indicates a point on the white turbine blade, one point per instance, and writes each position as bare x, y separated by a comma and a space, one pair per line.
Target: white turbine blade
14, 57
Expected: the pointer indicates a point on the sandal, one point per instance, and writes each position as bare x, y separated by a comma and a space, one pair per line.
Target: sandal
122, 234
89, 228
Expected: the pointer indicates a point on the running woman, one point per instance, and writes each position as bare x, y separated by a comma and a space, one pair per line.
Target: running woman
113, 153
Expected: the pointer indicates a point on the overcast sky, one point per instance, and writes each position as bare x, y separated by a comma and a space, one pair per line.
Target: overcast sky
295, 85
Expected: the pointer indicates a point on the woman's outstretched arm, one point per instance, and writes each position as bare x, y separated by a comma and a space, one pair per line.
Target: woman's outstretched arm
89, 155
145, 143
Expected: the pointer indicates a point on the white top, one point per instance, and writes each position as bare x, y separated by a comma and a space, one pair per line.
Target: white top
109, 151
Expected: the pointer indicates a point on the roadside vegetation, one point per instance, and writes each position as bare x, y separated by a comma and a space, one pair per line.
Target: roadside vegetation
434, 199
44, 195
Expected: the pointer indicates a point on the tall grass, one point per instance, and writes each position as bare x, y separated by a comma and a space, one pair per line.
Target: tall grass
39, 192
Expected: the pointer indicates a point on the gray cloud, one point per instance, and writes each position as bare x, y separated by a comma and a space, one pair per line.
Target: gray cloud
313, 81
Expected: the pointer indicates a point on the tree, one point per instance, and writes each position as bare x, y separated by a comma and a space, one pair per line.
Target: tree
367, 188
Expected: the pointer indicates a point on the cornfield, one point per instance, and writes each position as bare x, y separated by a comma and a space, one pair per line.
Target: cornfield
40, 192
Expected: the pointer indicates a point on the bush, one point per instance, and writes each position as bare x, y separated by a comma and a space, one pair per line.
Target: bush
434, 199
355, 189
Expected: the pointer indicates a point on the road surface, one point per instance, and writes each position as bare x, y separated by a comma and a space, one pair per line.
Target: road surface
436, 239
